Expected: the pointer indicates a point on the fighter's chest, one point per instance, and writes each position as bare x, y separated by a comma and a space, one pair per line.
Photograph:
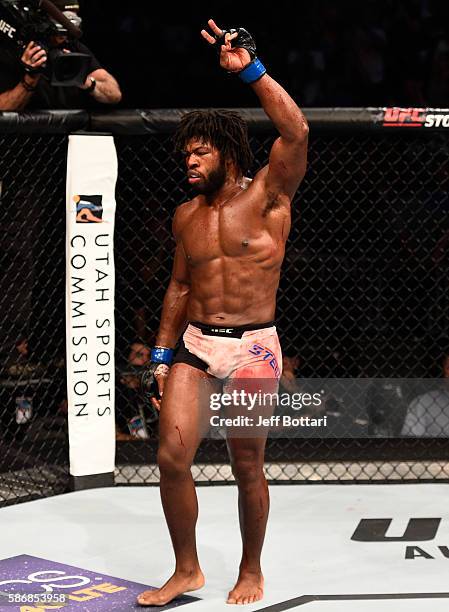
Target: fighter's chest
227, 232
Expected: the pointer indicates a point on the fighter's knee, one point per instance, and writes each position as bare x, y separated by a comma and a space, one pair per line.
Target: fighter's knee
171, 462
247, 469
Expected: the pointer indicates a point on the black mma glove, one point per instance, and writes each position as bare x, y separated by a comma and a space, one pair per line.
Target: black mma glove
243, 40
159, 367
148, 382
255, 69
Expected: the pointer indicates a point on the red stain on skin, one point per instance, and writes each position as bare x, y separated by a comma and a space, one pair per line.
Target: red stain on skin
180, 437
262, 516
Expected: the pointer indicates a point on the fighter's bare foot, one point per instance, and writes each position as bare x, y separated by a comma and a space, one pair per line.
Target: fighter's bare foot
248, 589
178, 584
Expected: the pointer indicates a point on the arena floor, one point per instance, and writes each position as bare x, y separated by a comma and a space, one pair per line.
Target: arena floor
115, 542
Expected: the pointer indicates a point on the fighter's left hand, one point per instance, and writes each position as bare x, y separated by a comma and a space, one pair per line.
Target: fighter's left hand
232, 59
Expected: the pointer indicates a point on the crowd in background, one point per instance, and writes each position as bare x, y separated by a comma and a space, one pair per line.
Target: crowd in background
326, 53
389, 407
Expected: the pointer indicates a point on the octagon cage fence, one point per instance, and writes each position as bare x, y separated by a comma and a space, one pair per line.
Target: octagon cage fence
363, 291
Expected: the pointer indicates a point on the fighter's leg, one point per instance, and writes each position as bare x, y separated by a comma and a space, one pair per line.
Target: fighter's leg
182, 424
247, 460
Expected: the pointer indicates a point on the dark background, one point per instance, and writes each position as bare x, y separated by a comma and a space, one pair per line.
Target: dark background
326, 53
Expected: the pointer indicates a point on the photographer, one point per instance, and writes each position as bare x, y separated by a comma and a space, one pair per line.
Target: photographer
25, 84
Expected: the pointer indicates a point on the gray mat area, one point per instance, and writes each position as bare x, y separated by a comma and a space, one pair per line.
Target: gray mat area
121, 532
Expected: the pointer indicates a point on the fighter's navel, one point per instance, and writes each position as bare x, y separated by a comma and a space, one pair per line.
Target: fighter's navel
245, 243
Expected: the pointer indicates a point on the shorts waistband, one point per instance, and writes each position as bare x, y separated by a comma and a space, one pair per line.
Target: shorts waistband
229, 332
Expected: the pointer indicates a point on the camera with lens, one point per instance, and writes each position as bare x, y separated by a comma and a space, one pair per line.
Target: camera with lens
22, 21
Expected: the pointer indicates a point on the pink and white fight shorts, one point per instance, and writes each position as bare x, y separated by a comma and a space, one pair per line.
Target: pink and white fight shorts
246, 351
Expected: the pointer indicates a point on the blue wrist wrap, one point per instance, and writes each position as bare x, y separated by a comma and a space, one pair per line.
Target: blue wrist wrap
159, 354
253, 71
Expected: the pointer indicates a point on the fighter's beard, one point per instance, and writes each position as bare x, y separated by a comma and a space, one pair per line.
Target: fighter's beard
213, 183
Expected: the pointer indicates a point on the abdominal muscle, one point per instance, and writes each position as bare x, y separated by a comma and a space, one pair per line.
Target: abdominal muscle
233, 291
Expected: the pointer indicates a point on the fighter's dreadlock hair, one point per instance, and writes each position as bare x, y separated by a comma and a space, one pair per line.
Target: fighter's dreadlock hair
223, 129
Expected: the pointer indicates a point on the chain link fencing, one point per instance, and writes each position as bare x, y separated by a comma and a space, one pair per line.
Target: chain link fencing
33, 443
34, 449
363, 292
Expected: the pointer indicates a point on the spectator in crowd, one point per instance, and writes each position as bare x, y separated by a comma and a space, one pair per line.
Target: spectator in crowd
132, 411
19, 362
428, 414
21, 351
345, 418
139, 354
24, 83
290, 365
17, 388
386, 405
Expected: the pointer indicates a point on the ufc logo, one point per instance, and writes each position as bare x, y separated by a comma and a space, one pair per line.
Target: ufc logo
403, 116
6, 28
417, 530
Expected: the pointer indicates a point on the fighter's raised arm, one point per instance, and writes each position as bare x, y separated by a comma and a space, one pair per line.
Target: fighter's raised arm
288, 157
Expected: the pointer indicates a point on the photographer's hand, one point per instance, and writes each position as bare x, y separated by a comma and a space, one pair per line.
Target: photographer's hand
33, 58
17, 98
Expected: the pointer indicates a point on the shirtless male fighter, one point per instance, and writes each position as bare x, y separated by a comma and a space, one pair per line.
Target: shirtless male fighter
230, 245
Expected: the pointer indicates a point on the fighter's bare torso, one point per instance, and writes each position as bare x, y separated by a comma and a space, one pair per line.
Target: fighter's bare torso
233, 251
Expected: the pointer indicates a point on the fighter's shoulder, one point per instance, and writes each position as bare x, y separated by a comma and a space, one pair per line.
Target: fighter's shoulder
182, 215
